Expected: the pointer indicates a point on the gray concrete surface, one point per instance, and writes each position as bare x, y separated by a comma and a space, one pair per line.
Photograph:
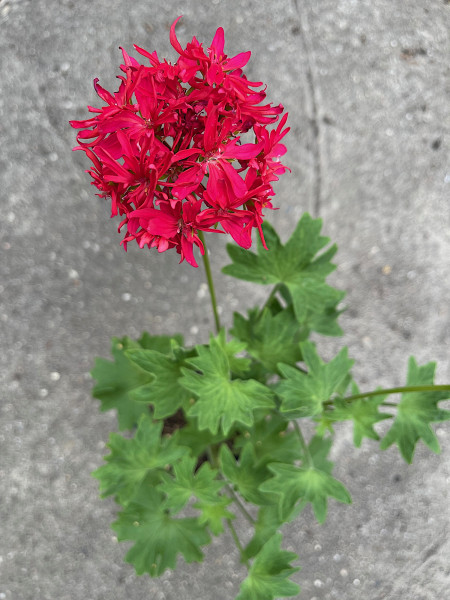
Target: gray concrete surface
366, 83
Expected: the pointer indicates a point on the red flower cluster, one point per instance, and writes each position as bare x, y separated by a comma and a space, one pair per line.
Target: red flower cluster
167, 148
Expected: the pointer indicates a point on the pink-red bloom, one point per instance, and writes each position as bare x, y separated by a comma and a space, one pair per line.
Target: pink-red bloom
184, 148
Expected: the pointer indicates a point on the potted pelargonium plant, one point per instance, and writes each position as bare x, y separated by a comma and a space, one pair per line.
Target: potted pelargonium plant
217, 428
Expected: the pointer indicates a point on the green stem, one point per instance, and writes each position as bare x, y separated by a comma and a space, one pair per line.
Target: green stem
237, 542
210, 282
397, 390
303, 444
212, 456
239, 504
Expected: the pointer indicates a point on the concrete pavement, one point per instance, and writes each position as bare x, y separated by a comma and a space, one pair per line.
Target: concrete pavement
366, 84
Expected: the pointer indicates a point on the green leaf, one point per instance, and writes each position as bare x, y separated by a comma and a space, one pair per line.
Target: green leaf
325, 322
187, 482
213, 515
364, 412
160, 343
221, 400
244, 475
118, 382
319, 448
266, 525
271, 441
197, 441
267, 578
303, 394
133, 460
281, 263
158, 537
415, 412
293, 265
269, 338
306, 483
312, 482
165, 392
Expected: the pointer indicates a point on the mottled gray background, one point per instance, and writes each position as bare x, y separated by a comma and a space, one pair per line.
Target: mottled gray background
366, 83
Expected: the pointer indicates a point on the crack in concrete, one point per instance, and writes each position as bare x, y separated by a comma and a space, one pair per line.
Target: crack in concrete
312, 91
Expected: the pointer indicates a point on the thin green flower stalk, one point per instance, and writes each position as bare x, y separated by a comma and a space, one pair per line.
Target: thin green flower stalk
210, 282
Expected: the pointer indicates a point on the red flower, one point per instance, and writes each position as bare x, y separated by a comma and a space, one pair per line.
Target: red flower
166, 147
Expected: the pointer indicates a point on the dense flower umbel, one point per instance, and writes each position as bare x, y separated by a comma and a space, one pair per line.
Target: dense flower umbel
167, 149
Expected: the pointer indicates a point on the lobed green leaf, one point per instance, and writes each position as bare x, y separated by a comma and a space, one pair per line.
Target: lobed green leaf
245, 475
269, 338
310, 483
158, 537
268, 575
364, 412
165, 393
221, 402
118, 383
303, 394
415, 412
213, 514
133, 461
294, 266
186, 482
271, 441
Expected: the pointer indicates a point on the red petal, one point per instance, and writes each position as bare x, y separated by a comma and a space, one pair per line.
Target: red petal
173, 38
104, 94
238, 61
218, 43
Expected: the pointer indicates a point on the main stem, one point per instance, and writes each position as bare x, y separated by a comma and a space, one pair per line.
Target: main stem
209, 279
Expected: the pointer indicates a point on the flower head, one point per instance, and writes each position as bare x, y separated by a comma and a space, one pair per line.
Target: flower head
167, 148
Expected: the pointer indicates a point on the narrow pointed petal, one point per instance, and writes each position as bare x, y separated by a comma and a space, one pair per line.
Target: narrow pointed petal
218, 43
238, 61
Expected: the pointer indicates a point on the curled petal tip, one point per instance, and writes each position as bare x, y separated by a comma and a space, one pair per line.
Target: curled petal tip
173, 38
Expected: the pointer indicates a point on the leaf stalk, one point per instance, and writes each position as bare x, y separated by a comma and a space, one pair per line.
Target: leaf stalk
396, 390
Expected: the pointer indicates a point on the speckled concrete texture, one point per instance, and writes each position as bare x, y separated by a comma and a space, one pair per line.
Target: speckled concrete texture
366, 83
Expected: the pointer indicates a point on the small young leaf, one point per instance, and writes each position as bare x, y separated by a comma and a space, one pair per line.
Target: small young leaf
132, 460
186, 482
267, 577
118, 382
303, 394
221, 400
158, 537
415, 412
